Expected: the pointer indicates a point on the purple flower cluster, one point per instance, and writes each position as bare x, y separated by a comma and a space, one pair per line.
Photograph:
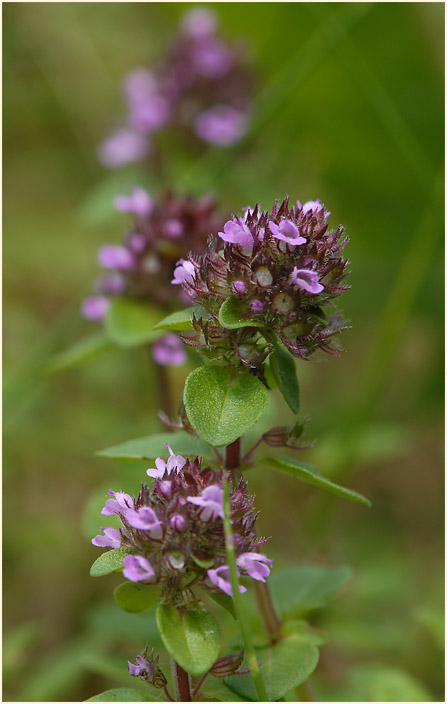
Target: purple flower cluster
200, 85
174, 533
281, 268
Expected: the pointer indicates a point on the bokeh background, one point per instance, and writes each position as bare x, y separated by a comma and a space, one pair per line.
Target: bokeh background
349, 107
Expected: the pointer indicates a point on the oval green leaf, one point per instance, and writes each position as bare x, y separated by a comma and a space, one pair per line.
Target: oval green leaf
129, 323
110, 561
134, 597
153, 446
223, 404
284, 666
80, 353
283, 368
123, 694
231, 315
297, 590
308, 473
192, 637
181, 319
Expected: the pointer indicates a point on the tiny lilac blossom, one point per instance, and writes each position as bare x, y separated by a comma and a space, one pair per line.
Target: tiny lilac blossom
221, 578
199, 23
286, 231
311, 206
255, 564
115, 256
174, 463
112, 284
237, 232
307, 280
145, 518
110, 539
143, 667
122, 147
95, 308
139, 203
173, 229
119, 504
211, 501
221, 125
212, 59
137, 568
184, 271
169, 351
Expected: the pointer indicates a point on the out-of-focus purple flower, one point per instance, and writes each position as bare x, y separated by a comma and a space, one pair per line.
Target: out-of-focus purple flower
199, 23
211, 501
286, 231
313, 206
145, 518
184, 271
111, 284
237, 232
122, 147
173, 229
221, 578
138, 568
175, 463
212, 59
138, 203
95, 308
306, 279
169, 351
222, 125
120, 504
115, 256
110, 539
151, 115
255, 564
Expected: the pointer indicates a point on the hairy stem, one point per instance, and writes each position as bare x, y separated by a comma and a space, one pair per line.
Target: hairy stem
181, 683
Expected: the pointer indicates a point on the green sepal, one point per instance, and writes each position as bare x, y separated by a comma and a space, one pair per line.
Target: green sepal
191, 636
134, 597
110, 561
308, 473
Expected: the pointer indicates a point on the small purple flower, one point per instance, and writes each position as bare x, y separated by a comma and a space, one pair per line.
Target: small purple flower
178, 522
286, 231
169, 351
111, 284
199, 23
142, 669
119, 504
110, 539
311, 206
145, 518
239, 287
122, 147
138, 568
307, 280
95, 308
166, 488
173, 229
221, 125
211, 58
184, 271
115, 256
237, 232
221, 578
255, 564
139, 203
175, 463
256, 306
211, 500
150, 115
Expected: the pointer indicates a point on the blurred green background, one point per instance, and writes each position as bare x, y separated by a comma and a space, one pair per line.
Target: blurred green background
349, 108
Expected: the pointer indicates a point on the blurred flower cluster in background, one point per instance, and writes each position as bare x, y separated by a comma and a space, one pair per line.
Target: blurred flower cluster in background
340, 101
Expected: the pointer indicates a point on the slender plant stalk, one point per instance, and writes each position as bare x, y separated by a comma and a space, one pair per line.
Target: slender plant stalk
231, 559
181, 683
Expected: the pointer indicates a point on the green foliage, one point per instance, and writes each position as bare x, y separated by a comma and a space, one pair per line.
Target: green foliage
129, 323
231, 315
375, 682
123, 694
110, 561
84, 351
134, 597
181, 319
300, 589
192, 637
283, 667
223, 600
222, 404
153, 446
283, 368
307, 473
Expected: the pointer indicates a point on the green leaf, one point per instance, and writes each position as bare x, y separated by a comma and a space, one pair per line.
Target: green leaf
129, 323
80, 353
283, 667
123, 694
110, 561
153, 446
181, 319
222, 404
231, 315
216, 690
308, 473
377, 682
300, 589
133, 597
192, 637
283, 368
225, 601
